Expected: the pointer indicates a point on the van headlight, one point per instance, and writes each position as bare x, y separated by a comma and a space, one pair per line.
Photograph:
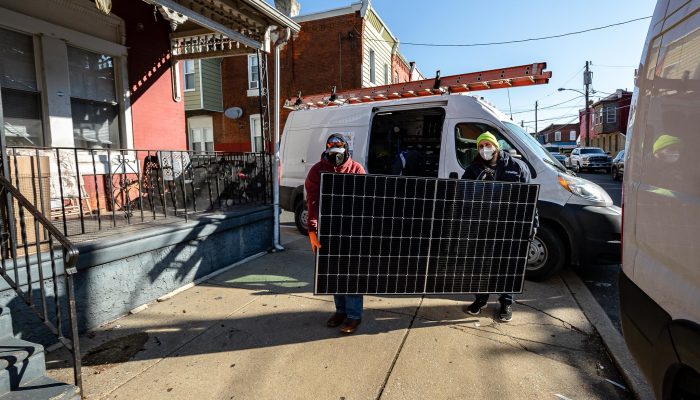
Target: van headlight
584, 189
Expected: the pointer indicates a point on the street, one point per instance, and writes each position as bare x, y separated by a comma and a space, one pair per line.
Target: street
601, 280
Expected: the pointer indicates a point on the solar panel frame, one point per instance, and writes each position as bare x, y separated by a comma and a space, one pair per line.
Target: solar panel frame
427, 267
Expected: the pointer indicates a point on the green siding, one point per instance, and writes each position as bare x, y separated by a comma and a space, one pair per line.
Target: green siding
192, 99
211, 85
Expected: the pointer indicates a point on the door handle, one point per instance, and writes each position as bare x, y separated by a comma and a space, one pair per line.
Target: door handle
454, 175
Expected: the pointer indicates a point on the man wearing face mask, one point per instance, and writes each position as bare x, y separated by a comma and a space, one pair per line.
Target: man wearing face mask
493, 164
336, 158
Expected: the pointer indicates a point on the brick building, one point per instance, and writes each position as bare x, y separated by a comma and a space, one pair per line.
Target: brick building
608, 118
562, 135
348, 47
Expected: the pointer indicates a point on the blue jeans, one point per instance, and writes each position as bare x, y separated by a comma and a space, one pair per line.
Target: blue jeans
349, 304
504, 298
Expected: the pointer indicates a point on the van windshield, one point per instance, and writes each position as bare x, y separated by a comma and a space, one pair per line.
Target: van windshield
534, 145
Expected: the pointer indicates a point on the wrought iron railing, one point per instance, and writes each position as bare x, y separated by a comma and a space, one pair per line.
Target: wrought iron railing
33, 252
91, 190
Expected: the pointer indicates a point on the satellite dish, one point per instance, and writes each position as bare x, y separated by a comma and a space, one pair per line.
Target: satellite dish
233, 112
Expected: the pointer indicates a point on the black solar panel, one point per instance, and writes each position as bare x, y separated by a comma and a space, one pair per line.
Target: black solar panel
400, 235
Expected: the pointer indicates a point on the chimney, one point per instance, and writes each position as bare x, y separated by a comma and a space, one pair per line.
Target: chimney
290, 8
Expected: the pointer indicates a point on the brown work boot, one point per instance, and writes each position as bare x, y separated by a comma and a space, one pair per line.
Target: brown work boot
350, 325
336, 319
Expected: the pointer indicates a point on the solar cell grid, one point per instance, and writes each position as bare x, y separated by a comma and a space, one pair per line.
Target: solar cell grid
400, 235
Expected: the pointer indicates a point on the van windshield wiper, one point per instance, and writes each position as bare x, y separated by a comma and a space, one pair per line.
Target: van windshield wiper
550, 162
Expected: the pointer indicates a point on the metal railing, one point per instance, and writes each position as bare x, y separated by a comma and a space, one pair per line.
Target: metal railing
33, 251
91, 190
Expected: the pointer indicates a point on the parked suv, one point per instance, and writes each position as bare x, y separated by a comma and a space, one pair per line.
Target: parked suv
618, 166
589, 158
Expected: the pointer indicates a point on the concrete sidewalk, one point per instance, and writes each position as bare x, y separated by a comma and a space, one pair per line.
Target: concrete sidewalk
257, 332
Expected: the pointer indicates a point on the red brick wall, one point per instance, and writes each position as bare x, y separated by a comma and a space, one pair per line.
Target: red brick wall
158, 122
325, 53
398, 65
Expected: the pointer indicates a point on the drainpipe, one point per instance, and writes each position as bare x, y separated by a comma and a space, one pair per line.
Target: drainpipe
281, 41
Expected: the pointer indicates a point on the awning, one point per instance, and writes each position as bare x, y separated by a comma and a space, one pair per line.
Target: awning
220, 28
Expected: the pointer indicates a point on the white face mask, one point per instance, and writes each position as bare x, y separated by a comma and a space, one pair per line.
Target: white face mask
487, 153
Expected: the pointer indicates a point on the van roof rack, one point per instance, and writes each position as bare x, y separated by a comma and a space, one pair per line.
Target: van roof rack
523, 75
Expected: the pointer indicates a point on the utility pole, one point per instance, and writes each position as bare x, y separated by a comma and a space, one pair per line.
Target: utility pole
536, 131
586, 83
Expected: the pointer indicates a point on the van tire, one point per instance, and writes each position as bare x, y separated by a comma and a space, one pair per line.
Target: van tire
546, 255
300, 217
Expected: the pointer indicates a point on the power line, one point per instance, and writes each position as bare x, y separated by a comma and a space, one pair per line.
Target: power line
551, 106
514, 41
615, 66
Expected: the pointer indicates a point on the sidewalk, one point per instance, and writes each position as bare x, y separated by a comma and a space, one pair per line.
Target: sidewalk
257, 332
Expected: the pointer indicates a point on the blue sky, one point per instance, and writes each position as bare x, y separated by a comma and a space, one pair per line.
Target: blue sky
614, 51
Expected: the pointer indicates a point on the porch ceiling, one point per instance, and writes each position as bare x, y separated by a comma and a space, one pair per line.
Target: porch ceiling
219, 28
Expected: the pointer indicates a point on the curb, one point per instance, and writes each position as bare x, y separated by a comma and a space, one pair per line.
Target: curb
612, 339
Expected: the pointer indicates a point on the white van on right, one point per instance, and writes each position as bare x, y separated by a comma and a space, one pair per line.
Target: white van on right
660, 283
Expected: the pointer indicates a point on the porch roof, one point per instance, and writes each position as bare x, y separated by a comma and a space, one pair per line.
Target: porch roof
219, 28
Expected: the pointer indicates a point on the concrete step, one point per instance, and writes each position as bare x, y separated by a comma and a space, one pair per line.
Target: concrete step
20, 361
5, 323
43, 388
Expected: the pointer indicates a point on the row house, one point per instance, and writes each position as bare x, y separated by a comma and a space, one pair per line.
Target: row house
346, 48
94, 141
562, 135
608, 122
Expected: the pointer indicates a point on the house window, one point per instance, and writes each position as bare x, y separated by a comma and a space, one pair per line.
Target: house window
188, 71
202, 140
93, 99
256, 140
599, 116
572, 136
396, 76
386, 74
610, 115
253, 78
372, 72
21, 99
557, 136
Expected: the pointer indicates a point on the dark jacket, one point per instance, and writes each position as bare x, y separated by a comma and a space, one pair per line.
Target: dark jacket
507, 169
313, 184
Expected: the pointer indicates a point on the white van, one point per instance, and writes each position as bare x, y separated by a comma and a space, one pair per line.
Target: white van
660, 283
578, 222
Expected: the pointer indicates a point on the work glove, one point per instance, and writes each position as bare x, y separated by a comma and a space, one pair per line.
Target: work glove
315, 244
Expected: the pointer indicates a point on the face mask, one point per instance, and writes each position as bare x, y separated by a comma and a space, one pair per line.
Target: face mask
669, 156
336, 158
487, 153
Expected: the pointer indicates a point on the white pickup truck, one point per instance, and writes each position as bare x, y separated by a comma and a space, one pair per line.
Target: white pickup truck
589, 158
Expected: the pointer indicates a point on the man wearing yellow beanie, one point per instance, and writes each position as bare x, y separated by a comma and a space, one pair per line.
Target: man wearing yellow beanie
493, 164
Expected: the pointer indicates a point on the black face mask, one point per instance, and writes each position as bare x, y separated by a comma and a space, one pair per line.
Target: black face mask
336, 158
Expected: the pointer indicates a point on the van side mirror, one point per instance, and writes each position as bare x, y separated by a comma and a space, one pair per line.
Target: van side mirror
514, 153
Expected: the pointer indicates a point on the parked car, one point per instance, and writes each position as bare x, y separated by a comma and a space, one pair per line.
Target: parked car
559, 157
660, 279
579, 224
590, 158
618, 166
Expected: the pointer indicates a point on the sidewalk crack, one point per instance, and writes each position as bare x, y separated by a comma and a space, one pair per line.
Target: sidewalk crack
398, 351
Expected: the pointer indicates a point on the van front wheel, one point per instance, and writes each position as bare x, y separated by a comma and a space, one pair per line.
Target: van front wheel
301, 218
546, 255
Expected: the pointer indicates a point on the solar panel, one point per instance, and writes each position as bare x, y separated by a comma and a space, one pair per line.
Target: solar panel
409, 235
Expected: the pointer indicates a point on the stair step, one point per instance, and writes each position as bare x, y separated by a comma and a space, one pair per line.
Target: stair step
6, 323
43, 388
21, 362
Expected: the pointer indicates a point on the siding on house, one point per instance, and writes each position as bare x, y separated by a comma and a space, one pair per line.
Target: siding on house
193, 100
375, 38
211, 85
